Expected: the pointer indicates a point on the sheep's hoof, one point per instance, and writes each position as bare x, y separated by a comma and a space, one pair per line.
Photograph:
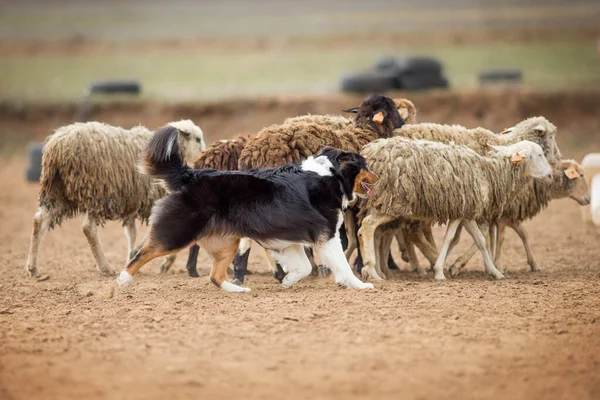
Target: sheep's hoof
535, 267
454, 271
404, 256
34, 273
421, 272
440, 277
108, 272
366, 273
323, 271
164, 268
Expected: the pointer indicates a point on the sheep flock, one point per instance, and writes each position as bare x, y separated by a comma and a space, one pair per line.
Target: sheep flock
428, 175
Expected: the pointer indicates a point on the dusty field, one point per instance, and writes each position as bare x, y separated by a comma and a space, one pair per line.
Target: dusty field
167, 336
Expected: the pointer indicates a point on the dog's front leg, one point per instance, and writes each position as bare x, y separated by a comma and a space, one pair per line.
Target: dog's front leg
332, 255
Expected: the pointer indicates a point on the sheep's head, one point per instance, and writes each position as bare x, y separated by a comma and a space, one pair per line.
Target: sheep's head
191, 139
405, 107
541, 131
356, 176
379, 113
529, 156
569, 181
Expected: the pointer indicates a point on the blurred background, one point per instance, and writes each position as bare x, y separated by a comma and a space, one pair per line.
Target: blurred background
263, 52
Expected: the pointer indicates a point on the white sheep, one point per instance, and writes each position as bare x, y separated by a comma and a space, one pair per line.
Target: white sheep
90, 168
437, 183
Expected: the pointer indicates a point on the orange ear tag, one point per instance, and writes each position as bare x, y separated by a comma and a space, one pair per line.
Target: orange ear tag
571, 173
516, 158
378, 117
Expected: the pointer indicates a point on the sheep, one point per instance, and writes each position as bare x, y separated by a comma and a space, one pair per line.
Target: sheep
436, 183
276, 145
536, 129
222, 155
405, 107
567, 181
90, 168
301, 137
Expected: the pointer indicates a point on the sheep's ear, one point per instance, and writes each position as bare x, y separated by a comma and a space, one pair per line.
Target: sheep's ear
403, 113
539, 129
517, 158
571, 173
378, 118
352, 110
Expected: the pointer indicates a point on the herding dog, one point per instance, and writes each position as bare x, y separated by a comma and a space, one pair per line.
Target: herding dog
283, 209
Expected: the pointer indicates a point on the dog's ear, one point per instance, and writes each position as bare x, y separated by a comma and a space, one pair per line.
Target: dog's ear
352, 110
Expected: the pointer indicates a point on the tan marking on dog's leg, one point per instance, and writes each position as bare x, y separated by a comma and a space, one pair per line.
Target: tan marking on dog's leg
223, 250
41, 223
90, 229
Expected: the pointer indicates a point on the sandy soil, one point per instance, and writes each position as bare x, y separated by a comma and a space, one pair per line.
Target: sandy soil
166, 336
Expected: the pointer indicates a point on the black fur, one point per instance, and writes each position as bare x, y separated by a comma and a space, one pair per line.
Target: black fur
284, 203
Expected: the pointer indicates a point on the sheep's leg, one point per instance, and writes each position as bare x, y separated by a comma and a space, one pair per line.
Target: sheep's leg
240, 262
429, 234
533, 265
462, 260
493, 239
501, 231
90, 229
333, 256
169, 260
41, 223
438, 268
456, 238
402, 245
192, 261
412, 256
384, 251
350, 224
294, 262
473, 229
131, 235
424, 245
366, 238
378, 261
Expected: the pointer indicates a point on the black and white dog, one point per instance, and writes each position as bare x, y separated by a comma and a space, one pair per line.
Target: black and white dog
283, 209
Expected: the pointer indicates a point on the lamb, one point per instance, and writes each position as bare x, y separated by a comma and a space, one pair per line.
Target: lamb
222, 155
90, 168
291, 142
567, 181
433, 182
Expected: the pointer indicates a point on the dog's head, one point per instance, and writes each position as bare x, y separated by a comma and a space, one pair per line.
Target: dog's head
356, 177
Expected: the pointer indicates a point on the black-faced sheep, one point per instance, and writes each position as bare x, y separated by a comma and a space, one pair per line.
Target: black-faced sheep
567, 181
91, 168
436, 183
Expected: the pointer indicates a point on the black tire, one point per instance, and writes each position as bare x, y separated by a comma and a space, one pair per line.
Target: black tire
501, 76
422, 81
34, 169
114, 87
369, 82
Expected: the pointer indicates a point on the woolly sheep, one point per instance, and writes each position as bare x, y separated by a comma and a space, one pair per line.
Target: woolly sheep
437, 183
567, 181
536, 129
90, 168
276, 145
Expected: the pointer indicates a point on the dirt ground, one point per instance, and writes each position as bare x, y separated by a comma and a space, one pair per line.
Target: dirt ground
535, 335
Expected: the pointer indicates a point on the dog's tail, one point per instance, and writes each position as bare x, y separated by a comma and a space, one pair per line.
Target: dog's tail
161, 158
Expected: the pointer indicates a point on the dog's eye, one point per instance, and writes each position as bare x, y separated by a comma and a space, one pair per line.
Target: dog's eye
198, 140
